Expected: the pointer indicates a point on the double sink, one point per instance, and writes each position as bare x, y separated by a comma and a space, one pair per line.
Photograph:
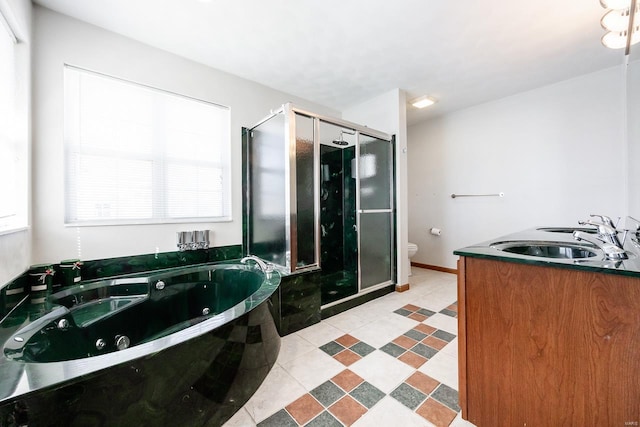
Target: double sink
581, 247
551, 249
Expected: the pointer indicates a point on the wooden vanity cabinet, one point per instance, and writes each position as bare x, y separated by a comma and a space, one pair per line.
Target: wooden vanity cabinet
547, 346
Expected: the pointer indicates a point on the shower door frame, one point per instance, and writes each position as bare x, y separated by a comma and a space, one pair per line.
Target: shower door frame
391, 210
291, 212
291, 110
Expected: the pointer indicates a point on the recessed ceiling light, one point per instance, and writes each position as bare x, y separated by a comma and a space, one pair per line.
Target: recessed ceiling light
423, 101
615, 4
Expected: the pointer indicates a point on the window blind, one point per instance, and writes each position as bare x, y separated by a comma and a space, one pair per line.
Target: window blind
136, 154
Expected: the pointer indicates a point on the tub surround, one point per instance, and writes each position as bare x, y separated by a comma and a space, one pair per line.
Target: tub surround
141, 263
156, 382
14, 291
296, 303
548, 341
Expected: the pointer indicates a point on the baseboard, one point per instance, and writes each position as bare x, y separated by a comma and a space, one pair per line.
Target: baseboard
402, 288
435, 267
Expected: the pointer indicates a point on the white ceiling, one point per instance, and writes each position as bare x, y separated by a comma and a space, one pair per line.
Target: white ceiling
341, 52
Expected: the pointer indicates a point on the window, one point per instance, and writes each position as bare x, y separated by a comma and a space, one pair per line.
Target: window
135, 154
13, 134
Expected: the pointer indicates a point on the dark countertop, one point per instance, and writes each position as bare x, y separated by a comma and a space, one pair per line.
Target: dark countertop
598, 263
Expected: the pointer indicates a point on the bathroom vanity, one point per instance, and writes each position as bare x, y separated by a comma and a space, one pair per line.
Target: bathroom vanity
547, 341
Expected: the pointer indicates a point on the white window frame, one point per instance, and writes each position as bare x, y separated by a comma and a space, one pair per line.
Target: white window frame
155, 159
14, 135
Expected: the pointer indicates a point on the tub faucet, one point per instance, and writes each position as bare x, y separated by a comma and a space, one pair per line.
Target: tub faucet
266, 267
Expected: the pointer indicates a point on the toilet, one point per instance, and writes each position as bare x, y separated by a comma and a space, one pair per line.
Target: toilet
412, 248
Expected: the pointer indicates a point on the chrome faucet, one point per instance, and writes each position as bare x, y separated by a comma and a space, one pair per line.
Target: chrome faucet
606, 238
605, 220
267, 268
635, 239
606, 232
610, 250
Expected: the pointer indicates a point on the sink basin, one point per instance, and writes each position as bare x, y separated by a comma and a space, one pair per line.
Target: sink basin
567, 230
543, 249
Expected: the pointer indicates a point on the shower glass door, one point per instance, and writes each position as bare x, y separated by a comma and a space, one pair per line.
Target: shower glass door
376, 211
338, 241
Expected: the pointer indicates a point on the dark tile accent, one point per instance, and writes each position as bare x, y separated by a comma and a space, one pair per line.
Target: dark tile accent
444, 335
424, 350
408, 396
426, 312
448, 396
299, 301
362, 348
327, 393
325, 419
95, 269
416, 335
367, 394
402, 312
392, 349
279, 419
449, 312
332, 348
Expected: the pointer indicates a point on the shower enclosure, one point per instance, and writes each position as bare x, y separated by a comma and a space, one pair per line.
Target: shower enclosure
319, 194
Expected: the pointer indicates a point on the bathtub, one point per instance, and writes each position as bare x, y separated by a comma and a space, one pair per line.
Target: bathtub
185, 346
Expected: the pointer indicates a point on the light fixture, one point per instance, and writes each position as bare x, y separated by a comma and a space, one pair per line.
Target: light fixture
423, 101
615, 4
622, 22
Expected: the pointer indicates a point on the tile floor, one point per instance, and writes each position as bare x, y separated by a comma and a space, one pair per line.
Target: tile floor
392, 361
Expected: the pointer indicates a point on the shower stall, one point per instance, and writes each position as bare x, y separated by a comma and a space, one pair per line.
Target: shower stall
319, 196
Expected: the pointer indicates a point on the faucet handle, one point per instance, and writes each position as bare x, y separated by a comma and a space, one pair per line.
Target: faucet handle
606, 220
603, 229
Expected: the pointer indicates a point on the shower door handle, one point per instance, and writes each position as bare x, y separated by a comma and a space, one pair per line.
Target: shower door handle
355, 227
369, 211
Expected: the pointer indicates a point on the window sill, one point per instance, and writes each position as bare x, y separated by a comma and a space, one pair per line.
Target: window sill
109, 223
7, 231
